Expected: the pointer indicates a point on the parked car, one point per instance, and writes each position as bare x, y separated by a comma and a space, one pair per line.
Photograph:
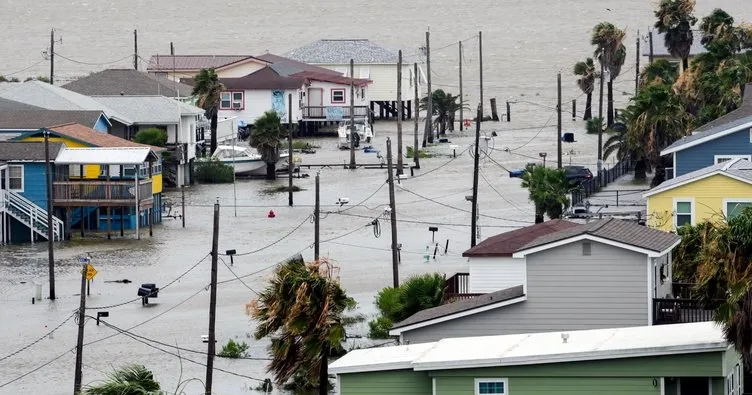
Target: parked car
578, 174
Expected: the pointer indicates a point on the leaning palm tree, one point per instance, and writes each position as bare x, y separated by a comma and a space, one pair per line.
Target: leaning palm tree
675, 21
548, 189
207, 89
587, 73
128, 380
444, 106
616, 144
661, 71
302, 310
265, 135
611, 53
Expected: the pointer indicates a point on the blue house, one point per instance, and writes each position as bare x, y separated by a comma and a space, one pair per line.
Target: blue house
23, 192
726, 138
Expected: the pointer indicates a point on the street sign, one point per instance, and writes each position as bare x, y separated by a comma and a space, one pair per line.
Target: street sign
90, 272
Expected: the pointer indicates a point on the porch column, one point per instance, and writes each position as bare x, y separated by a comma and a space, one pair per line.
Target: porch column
109, 213
138, 224
150, 217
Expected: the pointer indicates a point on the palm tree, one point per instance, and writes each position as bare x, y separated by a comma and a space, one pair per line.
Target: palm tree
128, 380
661, 71
208, 89
548, 189
265, 135
586, 71
611, 53
675, 21
302, 310
444, 106
616, 144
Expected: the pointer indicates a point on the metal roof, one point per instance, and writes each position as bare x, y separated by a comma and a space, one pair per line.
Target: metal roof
103, 156
538, 348
149, 109
661, 50
127, 82
740, 169
341, 51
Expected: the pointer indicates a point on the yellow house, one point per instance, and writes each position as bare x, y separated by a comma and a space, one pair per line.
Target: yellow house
714, 193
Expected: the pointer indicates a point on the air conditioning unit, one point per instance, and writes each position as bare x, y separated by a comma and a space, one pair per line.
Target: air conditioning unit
236, 106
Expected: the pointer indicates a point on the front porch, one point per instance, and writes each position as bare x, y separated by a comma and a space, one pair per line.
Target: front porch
333, 113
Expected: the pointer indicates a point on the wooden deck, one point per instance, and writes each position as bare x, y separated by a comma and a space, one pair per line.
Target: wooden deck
84, 193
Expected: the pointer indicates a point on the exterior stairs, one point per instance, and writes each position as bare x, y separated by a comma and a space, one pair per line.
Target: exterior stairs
30, 214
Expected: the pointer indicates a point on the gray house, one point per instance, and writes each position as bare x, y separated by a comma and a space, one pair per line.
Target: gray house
608, 273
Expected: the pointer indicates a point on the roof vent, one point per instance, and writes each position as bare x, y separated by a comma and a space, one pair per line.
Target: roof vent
564, 337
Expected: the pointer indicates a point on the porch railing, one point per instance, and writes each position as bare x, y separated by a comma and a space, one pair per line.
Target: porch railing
678, 311
334, 113
101, 193
593, 185
457, 287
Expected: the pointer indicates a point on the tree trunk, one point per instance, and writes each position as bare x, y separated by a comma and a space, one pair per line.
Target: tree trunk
442, 126
685, 64
324, 372
588, 107
640, 171
659, 177
271, 171
213, 127
451, 121
610, 109
538, 218
539, 212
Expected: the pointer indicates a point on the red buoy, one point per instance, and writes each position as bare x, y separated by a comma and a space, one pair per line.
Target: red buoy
271, 214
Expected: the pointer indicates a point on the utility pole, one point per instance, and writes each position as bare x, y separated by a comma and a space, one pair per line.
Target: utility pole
50, 233
650, 43
316, 215
135, 49
428, 134
212, 303
462, 97
480, 60
474, 220
416, 157
353, 130
558, 117
400, 112
290, 164
182, 203
392, 215
52, 56
77, 379
637, 65
172, 49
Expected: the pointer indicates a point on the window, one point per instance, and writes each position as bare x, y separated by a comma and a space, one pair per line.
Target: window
225, 100
586, 249
16, 178
734, 207
490, 386
734, 381
725, 158
338, 96
684, 210
237, 100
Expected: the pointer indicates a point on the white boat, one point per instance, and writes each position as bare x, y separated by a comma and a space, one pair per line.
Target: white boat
245, 161
363, 129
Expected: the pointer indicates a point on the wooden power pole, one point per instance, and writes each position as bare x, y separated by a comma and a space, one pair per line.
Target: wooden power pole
474, 220
637, 65
50, 229
212, 303
428, 133
462, 113
650, 47
400, 112
353, 130
480, 60
135, 49
316, 217
78, 377
392, 214
52, 57
558, 117
290, 163
416, 157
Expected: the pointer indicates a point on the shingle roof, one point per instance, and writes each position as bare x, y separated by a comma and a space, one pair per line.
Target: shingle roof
341, 51
90, 136
740, 168
40, 118
263, 79
149, 109
660, 48
621, 231
8, 105
128, 82
52, 97
286, 66
462, 306
738, 117
506, 244
167, 63
11, 151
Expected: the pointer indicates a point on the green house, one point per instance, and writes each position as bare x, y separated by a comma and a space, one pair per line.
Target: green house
688, 359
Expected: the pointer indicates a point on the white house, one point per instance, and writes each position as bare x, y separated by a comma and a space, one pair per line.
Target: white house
177, 67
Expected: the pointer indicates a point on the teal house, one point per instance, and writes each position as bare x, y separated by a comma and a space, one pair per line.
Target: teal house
689, 359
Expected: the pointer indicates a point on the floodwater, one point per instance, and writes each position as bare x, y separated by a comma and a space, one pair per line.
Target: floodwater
520, 58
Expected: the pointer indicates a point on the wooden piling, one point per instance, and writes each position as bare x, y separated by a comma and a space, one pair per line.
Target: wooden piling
574, 109
494, 111
509, 112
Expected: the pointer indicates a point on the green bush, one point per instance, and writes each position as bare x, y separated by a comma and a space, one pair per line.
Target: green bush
301, 145
234, 349
379, 328
152, 136
421, 153
396, 304
213, 171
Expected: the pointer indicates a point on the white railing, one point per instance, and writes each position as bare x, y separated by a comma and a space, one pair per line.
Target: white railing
31, 215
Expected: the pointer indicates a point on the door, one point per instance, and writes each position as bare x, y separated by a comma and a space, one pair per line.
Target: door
315, 107
694, 386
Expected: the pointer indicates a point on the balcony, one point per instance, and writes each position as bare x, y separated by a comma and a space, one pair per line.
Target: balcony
681, 311
102, 193
333, 113
456, 288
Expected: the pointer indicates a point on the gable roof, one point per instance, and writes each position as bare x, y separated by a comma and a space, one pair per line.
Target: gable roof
12, 105
620, 233
461, 308
739, 169
157, 110
334, 79
15, 151
263, 79
538, 348
53, 97
127, 82
735, 121
660, 48
168, 63
39, 118
286, 66
506, 244
341, 51
89, 136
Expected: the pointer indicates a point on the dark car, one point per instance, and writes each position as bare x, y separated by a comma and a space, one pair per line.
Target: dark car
578, 174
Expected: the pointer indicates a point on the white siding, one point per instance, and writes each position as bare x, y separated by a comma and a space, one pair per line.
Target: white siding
661, 288
256, 102
327, 95
384, 77
188, 134
240, 70
497, 273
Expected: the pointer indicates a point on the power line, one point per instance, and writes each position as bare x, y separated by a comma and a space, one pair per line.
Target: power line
274, 242
37, 368
433, 223
93, 64
236, 276
437, 168
22, 349
499, 193
24, 69
537, 134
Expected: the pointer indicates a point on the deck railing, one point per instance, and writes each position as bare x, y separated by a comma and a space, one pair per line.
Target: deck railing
457, 287
101, 193
678, 311
593, 185
334, 113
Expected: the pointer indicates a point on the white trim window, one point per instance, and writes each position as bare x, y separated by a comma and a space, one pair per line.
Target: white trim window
491, 386
725, 158
684, 212
16, 178
734, 206
225, 100
231, 100
237, 100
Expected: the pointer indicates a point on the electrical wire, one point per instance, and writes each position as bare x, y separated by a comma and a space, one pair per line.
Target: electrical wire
434, 223
37, 368
236, 276
446, 163
22, 349
24, 69
537, 134
92, 64
497, 191
274, 242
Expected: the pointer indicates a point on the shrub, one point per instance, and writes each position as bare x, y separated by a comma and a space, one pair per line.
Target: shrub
396, 304
234, 349
301, 145
213, 171
379, 328
421, 153
152, 136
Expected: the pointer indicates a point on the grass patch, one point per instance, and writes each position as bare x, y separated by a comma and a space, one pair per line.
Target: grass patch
234, 349
213, 172
282, 188
421, 153
302, 144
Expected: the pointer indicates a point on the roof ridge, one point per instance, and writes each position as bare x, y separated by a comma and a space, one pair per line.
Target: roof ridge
730, 163
62, 124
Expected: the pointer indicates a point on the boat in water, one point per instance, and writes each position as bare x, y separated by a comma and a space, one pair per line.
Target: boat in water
364, 132
247, 162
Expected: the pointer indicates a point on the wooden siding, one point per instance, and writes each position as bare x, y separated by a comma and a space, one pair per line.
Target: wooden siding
101, 125
702, 155
35, 184
395, 382
565, 291
708, 194
490, 274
